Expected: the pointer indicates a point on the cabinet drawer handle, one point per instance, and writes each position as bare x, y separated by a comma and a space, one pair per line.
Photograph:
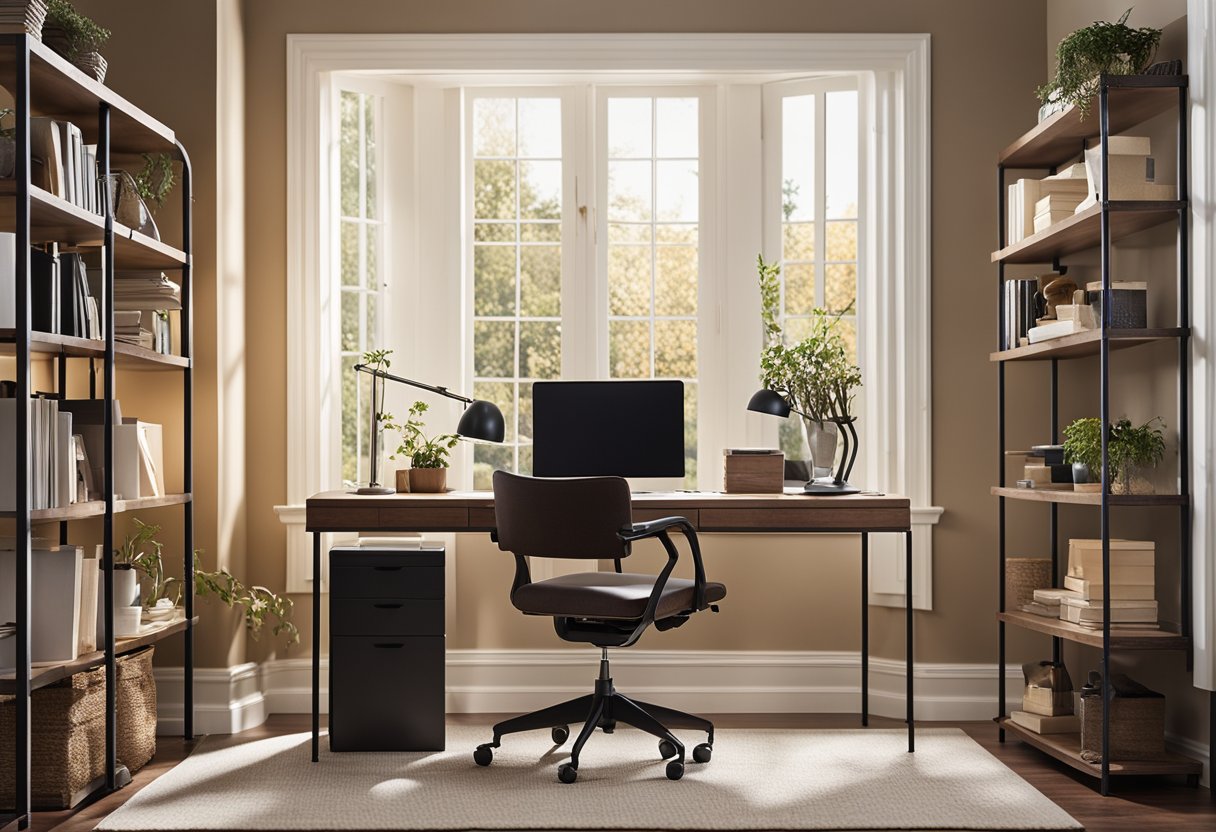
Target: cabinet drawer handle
389, 645
387, 606
387, 568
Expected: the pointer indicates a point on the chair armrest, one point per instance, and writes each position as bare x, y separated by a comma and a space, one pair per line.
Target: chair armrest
658, 528
640, 531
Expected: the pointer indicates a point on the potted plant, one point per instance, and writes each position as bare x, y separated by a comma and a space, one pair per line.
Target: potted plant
814, 375
428, 457
75, 37
1101, 48
1129, 448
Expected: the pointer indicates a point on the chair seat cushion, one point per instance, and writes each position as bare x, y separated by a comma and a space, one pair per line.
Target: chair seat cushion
608, 595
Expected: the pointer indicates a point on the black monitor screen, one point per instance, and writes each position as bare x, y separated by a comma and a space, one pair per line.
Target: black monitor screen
608, 428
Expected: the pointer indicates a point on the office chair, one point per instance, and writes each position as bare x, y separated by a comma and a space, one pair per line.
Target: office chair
590, 518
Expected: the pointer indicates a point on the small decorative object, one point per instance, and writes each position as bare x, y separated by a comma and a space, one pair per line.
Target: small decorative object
75, 37
813, 378
1101, 48
128, 206
403, 480
1022, 577
1080, 473
1055, 291
1130, 449
753, 471
1128, 303
428, 457
1137, 720
22, 17
1048, 689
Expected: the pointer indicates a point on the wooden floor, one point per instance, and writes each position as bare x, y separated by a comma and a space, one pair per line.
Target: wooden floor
1137, 805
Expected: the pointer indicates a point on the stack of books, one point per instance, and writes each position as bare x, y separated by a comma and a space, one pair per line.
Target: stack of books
1025, 195
146, 290
1063, 192
1132, 587
143, 328
1131, 171
1045, 467
52, 460
62, 164
1047, 602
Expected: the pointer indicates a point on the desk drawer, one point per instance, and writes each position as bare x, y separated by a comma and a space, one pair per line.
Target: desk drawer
386, 693
386, 617
805, 519
386, 581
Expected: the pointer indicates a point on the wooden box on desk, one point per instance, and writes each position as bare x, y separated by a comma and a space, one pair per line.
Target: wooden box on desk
754, 471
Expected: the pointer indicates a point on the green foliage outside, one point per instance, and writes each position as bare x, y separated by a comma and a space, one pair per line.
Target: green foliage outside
1103, 47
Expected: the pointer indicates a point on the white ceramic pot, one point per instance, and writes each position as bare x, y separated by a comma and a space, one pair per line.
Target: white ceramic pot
126, 595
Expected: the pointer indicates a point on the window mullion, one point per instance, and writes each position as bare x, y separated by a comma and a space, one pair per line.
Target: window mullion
821, 201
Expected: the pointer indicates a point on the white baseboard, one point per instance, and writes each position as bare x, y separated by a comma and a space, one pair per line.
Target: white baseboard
227, 700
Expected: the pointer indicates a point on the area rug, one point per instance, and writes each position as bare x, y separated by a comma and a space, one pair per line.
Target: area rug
758, 779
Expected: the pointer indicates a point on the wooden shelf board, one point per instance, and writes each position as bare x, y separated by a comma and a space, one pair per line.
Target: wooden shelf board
1066, 749
46, 674
1123, 639
150, 502
1058, 138
133, 250
1082, 344
1085, 498
131, 356
61, 90
96, 508
1084, 230
128, 356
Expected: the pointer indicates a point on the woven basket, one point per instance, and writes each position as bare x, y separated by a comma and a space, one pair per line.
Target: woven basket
90, 63
22, 17
1137, 728
136, 717
68, 731
1022, 577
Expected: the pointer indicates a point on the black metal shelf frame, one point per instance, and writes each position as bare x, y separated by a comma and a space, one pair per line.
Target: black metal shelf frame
20, 43
1106, 84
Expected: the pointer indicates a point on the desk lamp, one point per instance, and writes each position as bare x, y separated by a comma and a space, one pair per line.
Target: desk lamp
774, 404
481, 421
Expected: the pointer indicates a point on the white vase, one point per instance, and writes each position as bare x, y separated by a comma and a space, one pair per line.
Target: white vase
126, 594
821, 440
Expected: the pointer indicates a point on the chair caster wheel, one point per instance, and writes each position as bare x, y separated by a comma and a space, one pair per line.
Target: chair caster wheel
483, 754
667, 750
609, 726
675, 770
703, 752
560, 734
567, 773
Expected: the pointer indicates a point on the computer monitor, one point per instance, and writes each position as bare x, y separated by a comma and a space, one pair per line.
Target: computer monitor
608, 428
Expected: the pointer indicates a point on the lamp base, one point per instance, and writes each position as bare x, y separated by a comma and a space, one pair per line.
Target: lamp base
375, 490
829, 488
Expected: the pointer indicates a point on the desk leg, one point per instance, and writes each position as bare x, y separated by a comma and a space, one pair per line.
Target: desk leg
908, 628
865, 629
316, 643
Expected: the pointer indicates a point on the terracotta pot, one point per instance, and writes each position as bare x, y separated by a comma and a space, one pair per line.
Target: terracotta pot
428, 480
403, 480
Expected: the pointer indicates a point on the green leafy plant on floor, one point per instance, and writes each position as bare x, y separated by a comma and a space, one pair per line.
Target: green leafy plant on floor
1128, 447
260, 605
81, 33
1103, 47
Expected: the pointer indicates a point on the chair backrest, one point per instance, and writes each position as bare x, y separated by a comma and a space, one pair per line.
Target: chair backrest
576, 517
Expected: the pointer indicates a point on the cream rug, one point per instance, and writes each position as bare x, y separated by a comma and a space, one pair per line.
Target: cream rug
758, 779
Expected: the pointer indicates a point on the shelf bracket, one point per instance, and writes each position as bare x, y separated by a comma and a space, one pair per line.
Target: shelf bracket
1057, 268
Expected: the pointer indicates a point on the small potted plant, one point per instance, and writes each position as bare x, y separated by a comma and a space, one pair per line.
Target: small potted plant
1100, 48
1130, 450
428, 457
75, 37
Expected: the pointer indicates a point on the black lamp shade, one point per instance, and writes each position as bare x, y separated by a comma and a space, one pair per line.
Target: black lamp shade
482, 420
770, 402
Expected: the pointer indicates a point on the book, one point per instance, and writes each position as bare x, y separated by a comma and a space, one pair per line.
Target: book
1042, 724
1091, 590
1053, 596
1121, 615
1035, 608
1052, 330
1085, 560
46, 155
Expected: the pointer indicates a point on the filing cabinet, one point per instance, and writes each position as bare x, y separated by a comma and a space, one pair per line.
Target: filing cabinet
386, 651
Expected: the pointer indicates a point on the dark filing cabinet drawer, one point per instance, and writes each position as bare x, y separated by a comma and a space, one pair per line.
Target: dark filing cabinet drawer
386, 649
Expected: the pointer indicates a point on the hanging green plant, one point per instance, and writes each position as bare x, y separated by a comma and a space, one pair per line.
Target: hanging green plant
156, 179
1103, 47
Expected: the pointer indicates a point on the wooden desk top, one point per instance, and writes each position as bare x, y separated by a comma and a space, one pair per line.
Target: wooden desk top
473, 511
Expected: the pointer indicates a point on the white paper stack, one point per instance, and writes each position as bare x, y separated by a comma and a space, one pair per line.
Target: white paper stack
146, 290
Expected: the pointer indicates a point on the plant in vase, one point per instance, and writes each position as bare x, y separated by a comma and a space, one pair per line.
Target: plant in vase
1100, 48
428, 457
814, 376
1130, 449
75, 37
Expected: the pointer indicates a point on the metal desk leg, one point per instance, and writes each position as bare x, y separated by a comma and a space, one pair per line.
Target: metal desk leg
865, 629
316, 643
908, 628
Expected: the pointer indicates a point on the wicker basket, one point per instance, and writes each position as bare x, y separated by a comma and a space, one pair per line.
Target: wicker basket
22, 17
1137, 728
136, 717
90, 63
1022, 577
68, 729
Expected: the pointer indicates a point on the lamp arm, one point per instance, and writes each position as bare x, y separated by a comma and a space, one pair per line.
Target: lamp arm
443, 391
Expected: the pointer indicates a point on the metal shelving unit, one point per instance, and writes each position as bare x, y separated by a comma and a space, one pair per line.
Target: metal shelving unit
1122, 103
43, 83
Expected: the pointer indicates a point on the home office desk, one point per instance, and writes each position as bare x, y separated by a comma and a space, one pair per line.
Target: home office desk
473, 511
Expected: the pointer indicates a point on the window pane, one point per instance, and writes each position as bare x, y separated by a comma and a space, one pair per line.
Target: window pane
540, 349
676, 233
629, 191
349, 255
540, 190
540, 232
348, 153
371, 301
799, 288
371, 255
675, 349
629, 280
494, 127
629, 349
798, 241
690, 434
350, 415
540, 128
525, 412
842, 240
540, 281
493, 190
677, 186
501, 393
369, 156
840, 141
628, 232
840, 287
494, 232
494, 280
524, 466
629, 128
350, 322
494, 349
798, 158
490, 458
677, 128
675, 283
792, 439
